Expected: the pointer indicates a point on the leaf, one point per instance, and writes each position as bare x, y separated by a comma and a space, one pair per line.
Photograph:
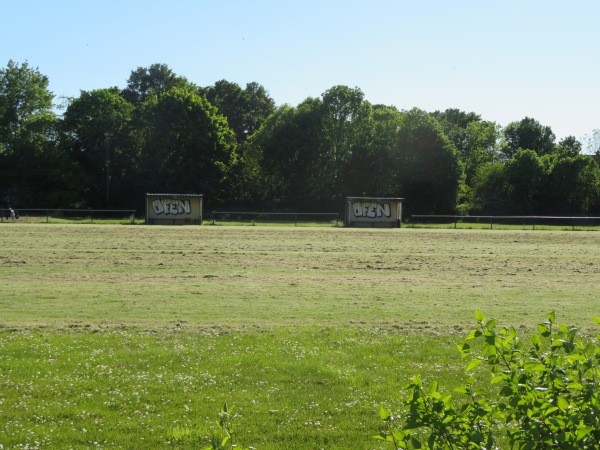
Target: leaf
563, 403
596, 319
543, 330
479, 316
381, 436
434, 387
537, 342
416, 443
474, 363
506, 391
464, 349
473, 334
399, 435
552, 317
384, 413
417, 381
491, 324
498, 379
583, 432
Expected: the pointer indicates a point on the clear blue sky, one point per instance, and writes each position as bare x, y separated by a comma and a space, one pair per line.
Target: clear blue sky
503, 59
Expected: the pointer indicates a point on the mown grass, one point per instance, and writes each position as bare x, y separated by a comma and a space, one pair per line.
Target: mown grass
131, 389
134, 337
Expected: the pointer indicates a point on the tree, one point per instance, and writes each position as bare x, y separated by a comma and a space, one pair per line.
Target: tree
245, 109
25, 104
155, 80
343, 109
304, 151
525, 178
288, 151
490, 195
98, 128
481, 146
573, 185
372, 167
529, 134
569, 146
429, 172
27, 130
188, 147
454, 123
259, 107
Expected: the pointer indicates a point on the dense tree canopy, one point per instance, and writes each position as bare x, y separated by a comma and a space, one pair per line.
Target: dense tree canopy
234, 145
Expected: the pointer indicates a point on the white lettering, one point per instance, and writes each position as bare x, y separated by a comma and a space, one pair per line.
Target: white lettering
372, 210
171, 207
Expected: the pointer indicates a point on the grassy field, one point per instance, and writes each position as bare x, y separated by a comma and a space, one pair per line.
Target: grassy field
134, 336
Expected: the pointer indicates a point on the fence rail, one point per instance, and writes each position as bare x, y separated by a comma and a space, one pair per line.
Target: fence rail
255, 217
529, 221
69, 215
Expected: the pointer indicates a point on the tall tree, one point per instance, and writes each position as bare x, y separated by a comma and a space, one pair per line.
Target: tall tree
154, 80
245, 109
288, 151
573, 186
27, 130
101, 138
529, 134
569, 146
259, 107
25, 104
481, 146
490, 190
430, 172
525, 178
372, 166
454, 123
188, 147
345, 117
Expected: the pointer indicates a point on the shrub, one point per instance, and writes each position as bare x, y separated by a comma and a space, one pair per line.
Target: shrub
544, 395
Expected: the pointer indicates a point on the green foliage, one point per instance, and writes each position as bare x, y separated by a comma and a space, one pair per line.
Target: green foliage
545, 394
225, 424
164, 133
529, 134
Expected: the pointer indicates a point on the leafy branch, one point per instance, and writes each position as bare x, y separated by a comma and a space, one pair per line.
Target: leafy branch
547, 395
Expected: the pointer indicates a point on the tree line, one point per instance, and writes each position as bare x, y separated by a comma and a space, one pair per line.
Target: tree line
163, 134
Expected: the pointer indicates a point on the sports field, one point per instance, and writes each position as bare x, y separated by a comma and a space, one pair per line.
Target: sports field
134, 336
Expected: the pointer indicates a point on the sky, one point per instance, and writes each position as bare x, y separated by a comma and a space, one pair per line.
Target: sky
504, 60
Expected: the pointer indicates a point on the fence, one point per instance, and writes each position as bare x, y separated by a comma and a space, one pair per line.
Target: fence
71, 215
523, 221
254, 218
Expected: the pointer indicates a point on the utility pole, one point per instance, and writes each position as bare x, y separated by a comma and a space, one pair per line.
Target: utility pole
107, 135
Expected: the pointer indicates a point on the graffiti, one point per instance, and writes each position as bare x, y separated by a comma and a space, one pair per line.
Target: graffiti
372, 210
171, 207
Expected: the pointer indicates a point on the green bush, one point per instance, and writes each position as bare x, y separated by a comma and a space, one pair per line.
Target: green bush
544, 395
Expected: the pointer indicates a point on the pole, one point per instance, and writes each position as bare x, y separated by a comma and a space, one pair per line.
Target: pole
107, 135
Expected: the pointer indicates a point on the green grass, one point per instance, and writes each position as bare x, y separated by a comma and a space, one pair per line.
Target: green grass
134, 336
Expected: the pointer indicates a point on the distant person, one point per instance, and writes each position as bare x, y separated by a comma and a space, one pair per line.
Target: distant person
12, 213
